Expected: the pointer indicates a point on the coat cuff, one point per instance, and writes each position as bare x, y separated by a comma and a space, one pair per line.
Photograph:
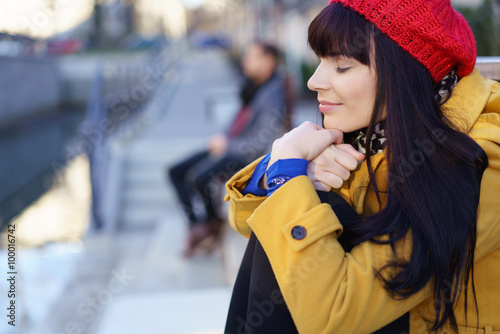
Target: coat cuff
242, 206
237, 183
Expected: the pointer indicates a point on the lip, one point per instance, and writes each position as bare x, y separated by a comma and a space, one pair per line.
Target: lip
325, 106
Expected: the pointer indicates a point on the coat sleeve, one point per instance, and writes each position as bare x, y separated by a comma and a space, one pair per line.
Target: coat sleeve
242, 207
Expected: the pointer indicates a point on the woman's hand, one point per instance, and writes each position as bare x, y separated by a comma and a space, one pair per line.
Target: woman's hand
307, 142
331, 161
333, 166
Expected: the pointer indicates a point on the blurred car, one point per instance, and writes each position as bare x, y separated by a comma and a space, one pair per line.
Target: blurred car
65, 46
140, 42
19, 46
204, 40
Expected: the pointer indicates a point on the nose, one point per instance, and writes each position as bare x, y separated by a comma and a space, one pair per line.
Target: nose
318, 80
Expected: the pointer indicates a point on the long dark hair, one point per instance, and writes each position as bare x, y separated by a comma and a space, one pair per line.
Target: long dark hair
434, 170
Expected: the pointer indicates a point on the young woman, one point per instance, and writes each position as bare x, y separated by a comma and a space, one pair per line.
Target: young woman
397, 82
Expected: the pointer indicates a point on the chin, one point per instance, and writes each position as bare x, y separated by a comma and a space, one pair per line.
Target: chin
340, 127
345, 128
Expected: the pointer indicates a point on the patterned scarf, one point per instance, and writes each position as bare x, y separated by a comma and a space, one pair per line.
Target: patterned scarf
378, 139
443, 92
444, 87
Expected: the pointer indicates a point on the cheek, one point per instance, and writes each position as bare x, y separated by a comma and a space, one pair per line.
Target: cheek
363, 96
357, 112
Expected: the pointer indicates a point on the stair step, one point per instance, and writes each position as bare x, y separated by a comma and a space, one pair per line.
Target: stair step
208, 305
146, 198
131, 218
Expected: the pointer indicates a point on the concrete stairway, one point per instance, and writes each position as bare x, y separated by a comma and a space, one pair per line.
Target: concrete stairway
146, 190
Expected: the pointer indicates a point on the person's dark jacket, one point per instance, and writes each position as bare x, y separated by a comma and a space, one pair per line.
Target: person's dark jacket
266, 123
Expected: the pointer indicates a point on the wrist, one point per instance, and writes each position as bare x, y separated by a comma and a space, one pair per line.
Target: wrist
263, 182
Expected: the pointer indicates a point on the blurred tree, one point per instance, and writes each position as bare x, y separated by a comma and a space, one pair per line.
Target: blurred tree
96, 38
485, 23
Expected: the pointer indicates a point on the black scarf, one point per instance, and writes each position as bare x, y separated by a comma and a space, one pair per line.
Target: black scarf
248, 91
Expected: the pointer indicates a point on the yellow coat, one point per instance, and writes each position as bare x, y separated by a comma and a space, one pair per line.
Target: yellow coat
330, 291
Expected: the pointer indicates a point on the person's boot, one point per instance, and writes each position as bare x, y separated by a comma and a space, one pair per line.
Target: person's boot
203, 237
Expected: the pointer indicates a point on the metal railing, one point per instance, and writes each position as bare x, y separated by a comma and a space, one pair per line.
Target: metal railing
119, 95
489, 67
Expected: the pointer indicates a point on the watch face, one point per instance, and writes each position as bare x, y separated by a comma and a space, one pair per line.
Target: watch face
277, 181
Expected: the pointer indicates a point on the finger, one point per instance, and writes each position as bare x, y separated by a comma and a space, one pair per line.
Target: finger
346, 160
321, 186
318, 168
318, 185
330, 179
351, 150
333, 176
336, 136
339, 171
318, 127
321, 140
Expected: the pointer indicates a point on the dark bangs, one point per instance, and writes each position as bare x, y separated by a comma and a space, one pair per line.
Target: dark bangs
339, 31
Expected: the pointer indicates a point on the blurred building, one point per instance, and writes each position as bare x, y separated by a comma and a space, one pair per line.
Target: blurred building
161, 17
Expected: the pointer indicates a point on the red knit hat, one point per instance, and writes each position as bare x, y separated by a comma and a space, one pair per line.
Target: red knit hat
430, 30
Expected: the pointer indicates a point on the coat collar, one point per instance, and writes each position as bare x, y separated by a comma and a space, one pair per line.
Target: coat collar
468, 100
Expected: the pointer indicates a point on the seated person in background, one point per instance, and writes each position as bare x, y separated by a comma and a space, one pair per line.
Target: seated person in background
256, 125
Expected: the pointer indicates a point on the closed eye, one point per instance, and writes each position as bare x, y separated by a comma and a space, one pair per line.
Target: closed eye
342, 69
